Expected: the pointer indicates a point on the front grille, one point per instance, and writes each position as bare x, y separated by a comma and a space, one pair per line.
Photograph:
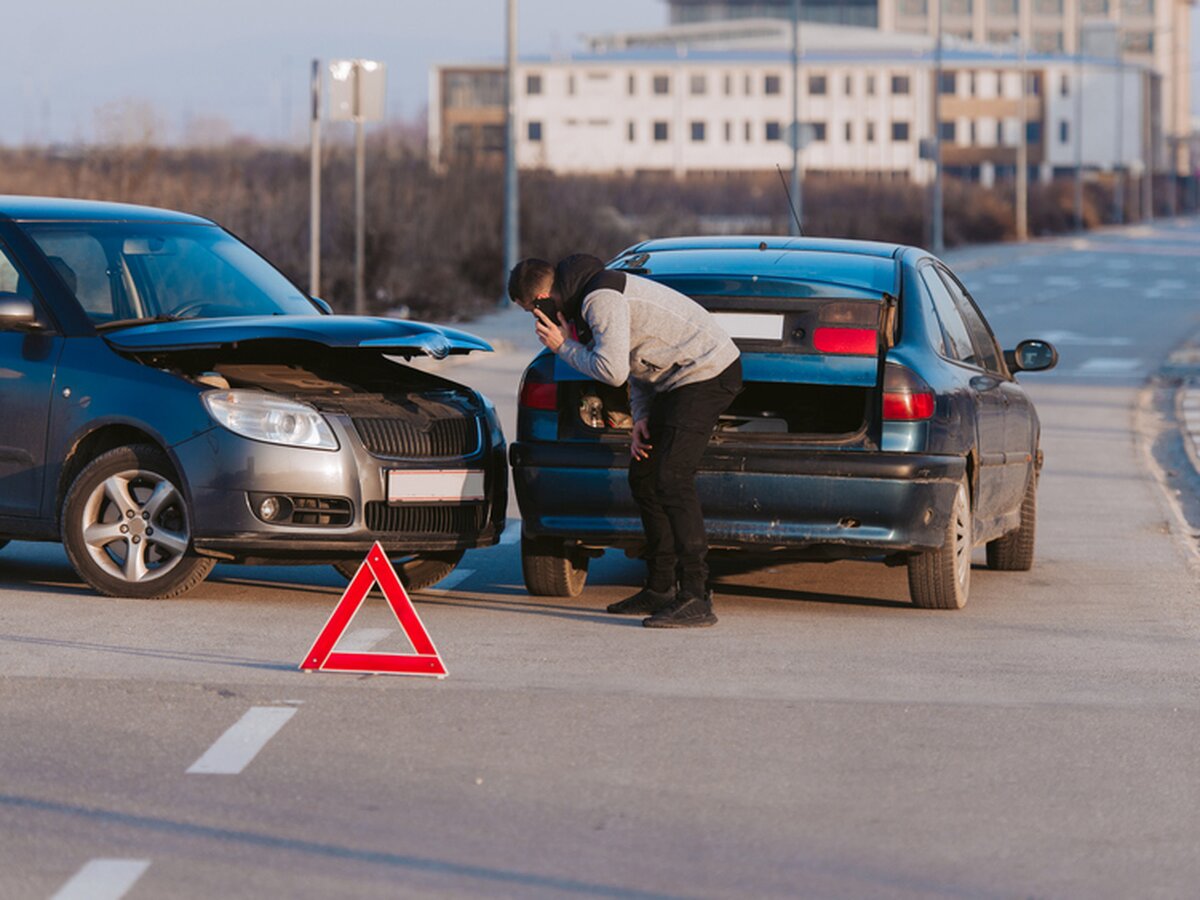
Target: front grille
400, 438
416, 519
320, 511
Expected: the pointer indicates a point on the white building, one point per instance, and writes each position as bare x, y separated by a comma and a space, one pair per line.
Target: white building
710, 97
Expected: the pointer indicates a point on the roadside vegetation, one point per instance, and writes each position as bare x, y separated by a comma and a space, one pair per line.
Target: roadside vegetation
434, 245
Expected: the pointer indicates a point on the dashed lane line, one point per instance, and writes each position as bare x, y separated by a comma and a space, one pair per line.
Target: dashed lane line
234, 750
103, 879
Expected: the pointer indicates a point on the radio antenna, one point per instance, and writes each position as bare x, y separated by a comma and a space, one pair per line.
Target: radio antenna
791, 203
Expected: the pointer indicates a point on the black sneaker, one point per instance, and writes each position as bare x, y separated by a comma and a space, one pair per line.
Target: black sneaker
643, 602
687, 611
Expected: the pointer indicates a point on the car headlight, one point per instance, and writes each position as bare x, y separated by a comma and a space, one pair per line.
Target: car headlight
265, 417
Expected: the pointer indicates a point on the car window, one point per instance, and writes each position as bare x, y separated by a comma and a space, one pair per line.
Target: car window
12, 282
80, 261
958, 343
985, 344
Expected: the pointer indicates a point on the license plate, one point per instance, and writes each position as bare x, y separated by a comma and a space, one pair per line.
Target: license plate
426, 485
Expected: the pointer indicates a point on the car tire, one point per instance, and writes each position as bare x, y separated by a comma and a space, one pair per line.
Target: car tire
416, 572
552, 569
1014, 551
126, 526
941, 579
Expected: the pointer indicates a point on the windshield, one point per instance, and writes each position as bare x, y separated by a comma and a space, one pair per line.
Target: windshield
125, 272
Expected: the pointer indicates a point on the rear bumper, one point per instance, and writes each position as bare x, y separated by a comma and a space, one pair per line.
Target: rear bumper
851, 502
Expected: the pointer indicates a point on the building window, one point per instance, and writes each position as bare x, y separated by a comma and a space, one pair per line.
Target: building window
1033, 132
728, 85
533, 84
771, 84
571, 85
747, 132
1047, 41
747, 85
848, 87
662, 84
1064, 131
849, 132
630, 131
1048, 7
1139, 42
1137, 7
914, 7
971, 136
948, 131
1064, 85
900, 84
493, 137
1001, 35
870, 132
899, 131
817, 85
958, 7
1095, 7
698, 84
773, 132
870, 85
1035, 84
697, 132
728, 132
1002, 7
535, 131
631, 85
816, 131
948, 83
661, 132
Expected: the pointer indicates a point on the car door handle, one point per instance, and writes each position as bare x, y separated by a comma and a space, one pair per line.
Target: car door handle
984, 382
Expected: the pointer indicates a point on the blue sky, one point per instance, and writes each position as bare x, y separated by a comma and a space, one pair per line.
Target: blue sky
246, 62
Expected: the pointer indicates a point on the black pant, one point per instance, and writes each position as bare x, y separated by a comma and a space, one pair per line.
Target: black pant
664, 484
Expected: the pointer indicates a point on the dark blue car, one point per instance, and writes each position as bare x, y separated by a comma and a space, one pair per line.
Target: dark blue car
168, 399
879, 419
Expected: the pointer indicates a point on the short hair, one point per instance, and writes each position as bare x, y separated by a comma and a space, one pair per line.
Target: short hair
527, 276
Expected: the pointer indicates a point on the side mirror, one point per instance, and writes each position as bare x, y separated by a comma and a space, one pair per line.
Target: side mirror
17, 314
1031, 356
325, 308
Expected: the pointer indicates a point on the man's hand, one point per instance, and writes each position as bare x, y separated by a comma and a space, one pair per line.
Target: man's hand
640, 446
548, 333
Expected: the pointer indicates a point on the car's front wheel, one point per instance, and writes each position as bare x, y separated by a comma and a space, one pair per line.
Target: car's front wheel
416, 572
1014, 551
126, 526
941, 579
551, 568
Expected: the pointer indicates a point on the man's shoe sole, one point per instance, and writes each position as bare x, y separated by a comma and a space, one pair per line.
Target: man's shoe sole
696, 622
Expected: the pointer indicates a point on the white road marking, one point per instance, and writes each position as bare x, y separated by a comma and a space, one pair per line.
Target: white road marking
1074, 338
234, 750
1109, 365
455, 578
103, 879
360, 640
1170, 284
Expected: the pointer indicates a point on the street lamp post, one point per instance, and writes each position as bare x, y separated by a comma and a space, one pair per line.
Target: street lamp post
511, 237
794, 221
1079, 120
938, 235
1022, 186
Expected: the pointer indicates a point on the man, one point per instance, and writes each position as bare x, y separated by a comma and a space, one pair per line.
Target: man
683, 372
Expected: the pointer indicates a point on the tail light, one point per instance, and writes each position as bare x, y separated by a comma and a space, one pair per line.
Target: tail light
538, 394
906, 397
849, 341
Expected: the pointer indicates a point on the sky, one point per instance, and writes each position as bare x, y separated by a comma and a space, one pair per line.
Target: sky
73, 68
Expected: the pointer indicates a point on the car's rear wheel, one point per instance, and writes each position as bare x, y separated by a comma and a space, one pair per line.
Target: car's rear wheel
1014, 551
551, 568
416, 572
126, 526
941, 579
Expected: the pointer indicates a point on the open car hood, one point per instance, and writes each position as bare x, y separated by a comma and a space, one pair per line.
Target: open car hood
396, 336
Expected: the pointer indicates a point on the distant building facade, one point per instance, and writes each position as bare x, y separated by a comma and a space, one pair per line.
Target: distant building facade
866, 101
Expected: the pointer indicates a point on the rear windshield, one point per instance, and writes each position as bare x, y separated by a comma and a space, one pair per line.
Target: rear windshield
126, 271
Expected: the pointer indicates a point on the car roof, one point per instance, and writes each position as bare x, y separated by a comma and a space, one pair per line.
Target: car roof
865, 265
65, 209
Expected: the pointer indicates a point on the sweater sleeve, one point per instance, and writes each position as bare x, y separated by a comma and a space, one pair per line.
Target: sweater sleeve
606, 358
641, 395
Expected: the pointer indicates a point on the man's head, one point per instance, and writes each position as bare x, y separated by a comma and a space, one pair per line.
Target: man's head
529, 281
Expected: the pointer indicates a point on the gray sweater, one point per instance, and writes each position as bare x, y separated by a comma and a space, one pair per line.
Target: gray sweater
652, 335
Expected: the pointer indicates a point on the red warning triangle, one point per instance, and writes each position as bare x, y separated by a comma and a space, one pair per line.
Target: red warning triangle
375, 570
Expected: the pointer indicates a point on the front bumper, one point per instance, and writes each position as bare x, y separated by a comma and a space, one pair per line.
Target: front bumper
850, 502
222, 469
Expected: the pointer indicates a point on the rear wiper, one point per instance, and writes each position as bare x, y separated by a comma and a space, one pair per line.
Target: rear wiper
143, 320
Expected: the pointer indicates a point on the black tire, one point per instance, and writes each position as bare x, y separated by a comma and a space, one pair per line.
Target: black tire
552, 569
941, 579
1014, 551
416, 572
126, 526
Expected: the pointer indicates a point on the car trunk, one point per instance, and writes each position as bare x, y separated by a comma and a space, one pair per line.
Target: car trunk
811, 369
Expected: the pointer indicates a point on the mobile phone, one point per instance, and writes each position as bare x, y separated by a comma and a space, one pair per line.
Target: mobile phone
546, 307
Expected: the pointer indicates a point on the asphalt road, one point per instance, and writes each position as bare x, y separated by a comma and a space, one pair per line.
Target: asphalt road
824, 740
